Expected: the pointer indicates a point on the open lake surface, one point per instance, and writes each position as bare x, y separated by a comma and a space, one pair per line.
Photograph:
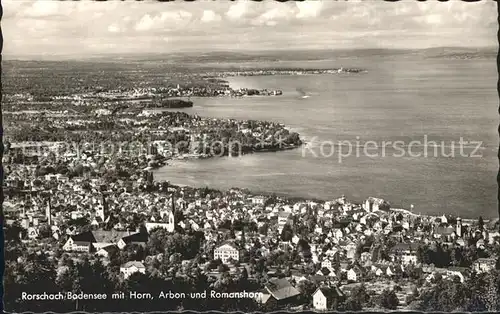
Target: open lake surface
404, 98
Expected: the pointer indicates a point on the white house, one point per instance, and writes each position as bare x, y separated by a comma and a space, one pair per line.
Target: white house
226, 252
353, 274
258, 200
32, 233
132, 267
283, 218
326, 263
76, 246
339, 234
483, 265
105, 251
324, 297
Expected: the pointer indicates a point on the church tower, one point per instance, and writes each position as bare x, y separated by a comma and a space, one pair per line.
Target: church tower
171, 222
102, 209
171, 216
459, 227
48, 212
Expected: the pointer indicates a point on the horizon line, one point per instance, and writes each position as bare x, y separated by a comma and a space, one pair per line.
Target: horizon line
76, 56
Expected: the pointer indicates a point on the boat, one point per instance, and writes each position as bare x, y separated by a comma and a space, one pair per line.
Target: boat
303, 94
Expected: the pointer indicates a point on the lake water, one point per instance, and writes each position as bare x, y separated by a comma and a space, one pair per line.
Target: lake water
398, 99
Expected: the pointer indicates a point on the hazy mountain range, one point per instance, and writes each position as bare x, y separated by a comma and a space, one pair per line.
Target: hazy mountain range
280, 55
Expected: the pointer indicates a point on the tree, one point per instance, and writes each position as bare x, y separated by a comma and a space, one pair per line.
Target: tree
352, 304
45, 232
307, 288
413, 296
303, 246
12, 232
222, 268
361, 295
388, 300
492, 295
287, 233
33, 274
423, 254
480, 223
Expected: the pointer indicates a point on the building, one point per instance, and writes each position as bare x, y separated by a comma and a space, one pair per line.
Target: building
79, 243
283, 218
48, 212
137, 238
373, 204
281, 291
483, 265
460, 272
97, 240
132, 267
32, 232
106, 251
227, 252
354, 274
325, 298
105, 238
459, 230
405, 252
258, 200
327, 263
169, 225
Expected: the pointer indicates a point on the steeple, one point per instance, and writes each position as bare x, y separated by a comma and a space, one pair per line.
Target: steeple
104, 204
48, 212
171, 216
459, 227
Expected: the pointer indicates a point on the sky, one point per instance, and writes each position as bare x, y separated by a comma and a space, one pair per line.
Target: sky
47, 27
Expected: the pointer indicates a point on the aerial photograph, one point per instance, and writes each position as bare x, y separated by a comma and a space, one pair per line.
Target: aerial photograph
318, 155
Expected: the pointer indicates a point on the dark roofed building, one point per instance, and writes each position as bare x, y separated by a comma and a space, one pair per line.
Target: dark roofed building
80, 242
104, 238
107, 250
138, 238
281, 291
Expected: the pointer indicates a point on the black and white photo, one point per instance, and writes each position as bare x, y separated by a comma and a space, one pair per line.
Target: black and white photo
250, 156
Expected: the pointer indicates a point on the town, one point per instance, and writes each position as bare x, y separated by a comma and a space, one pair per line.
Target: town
260, 72
84, 216
84, 233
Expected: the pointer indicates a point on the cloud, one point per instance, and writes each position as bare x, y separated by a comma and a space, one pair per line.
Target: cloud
113, 28
210, 16
66, 27
431, 19
308, 9
165, 20
274, 16
146, 23
237, 10
43, 8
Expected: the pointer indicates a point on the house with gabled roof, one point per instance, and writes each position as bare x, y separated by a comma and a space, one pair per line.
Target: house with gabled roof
325, 298
355, 273
281, 291
137, 238
104, 238
227, 252
106, 251
406, 252
79, 243
132, 267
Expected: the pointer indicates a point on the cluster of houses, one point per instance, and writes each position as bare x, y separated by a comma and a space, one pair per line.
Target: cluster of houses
335, 238
92, 214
